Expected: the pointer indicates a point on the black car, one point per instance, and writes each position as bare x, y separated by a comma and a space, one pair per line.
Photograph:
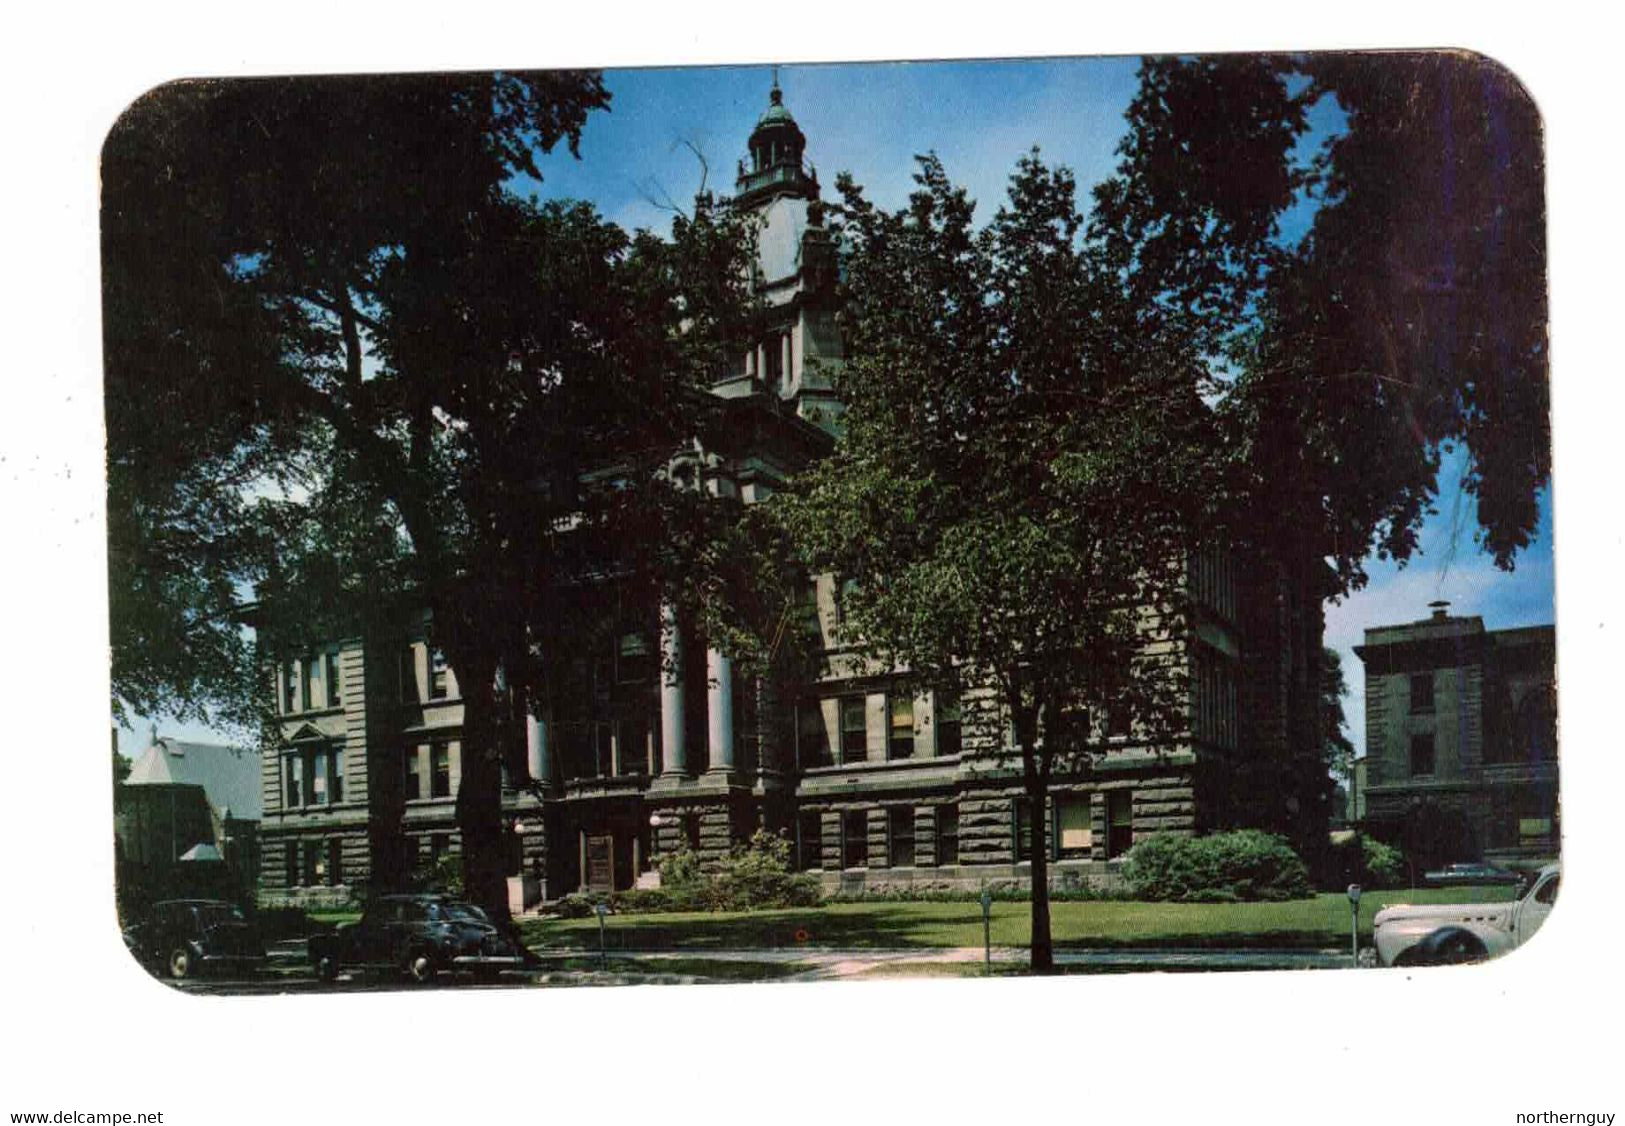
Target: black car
418, 935
1454, 875
186, 937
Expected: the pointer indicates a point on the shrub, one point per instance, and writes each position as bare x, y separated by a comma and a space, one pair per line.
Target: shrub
757, 874
1244, 864
681, 869
1384, 865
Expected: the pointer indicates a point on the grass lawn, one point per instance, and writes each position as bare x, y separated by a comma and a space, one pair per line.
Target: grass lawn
1319, 922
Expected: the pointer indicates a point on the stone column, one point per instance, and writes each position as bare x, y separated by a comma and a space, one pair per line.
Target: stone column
788, 378
673, 745
537, 753
719, 709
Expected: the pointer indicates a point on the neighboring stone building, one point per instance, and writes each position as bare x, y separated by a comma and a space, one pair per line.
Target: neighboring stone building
1461, 740
872, 781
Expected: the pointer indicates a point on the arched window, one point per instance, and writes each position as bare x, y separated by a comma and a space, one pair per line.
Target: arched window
1536, 728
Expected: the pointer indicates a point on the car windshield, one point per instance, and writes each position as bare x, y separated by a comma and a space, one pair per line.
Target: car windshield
464, 913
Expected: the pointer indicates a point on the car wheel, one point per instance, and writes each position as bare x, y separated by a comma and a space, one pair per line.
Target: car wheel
1449, 946
420, 967
327, 968
181, 964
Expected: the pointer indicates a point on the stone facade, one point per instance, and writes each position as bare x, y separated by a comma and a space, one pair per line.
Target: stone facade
1461, 740
658, 744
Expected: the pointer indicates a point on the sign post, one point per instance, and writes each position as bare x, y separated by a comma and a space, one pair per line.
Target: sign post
987, 929
603, 955
1354, 922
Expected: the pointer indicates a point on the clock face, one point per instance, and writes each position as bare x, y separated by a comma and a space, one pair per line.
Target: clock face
779, 247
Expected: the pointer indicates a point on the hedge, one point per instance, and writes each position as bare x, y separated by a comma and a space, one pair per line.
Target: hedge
1236, 866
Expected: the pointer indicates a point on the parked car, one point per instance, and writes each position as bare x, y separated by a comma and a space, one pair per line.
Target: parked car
186, 937
1446, 933
418, 935
1455, 875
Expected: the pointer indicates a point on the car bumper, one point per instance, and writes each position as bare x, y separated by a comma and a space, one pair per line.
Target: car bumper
486, 961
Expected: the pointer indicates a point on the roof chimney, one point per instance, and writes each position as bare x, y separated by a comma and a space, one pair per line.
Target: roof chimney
1441, 610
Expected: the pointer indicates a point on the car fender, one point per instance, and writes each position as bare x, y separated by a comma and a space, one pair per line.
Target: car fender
1394, 940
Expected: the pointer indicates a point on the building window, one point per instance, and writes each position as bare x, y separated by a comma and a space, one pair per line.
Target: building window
439, 847
290, 687
335, 861
438, 674
1074, 829
900, 837
313, 693
335, 775
633, 740
805, 610
812, 741
440, 770
634, 659
1022, 825
1534, 831
315, 865
900, 739
334, 685
290, 864
947, 834
1119, 822
293, 781
1421, 754
1422, 692
854, 729
413, 777
316, 778
809, 841
855, 839
950, 731
409, 674
1119, 722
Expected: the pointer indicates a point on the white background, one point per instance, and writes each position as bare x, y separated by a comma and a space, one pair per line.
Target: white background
82, 1029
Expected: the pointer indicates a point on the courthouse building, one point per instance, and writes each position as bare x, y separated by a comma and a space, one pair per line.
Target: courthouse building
874, 781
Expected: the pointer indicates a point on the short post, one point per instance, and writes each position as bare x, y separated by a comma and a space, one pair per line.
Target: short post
987, 928
1354, 922
603, 955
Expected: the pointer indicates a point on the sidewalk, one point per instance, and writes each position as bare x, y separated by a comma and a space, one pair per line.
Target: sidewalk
815, 964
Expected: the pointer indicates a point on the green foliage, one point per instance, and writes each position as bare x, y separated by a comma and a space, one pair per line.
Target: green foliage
444, 876
1410, 317
755, 875
681, 869
1384, 864
1241, 865
348, 368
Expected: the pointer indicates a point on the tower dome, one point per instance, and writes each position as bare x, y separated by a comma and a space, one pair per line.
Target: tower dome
777, 145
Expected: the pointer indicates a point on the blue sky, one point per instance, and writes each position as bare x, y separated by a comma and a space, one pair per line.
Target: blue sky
980, 117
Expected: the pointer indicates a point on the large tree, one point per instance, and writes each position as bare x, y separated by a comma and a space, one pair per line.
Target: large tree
432, 366
1011, 501
1358, 241
1409, 316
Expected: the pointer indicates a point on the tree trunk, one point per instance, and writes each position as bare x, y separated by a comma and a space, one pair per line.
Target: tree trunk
1043, 947
479, 795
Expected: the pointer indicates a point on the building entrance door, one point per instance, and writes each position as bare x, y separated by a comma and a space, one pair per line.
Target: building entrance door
601, 863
